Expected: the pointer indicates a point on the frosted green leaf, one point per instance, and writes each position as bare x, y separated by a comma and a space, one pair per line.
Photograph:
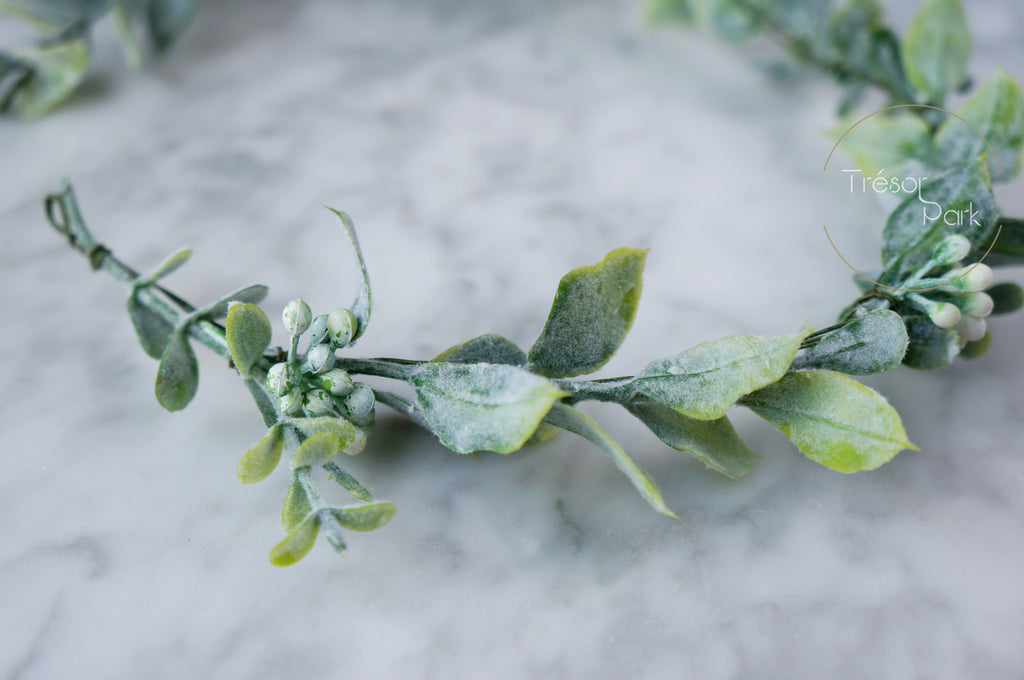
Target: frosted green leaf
177, 378
887, 143
832, 419
976, 348
297, 505
873, 343
1006, 298
929, 347
363, 517
571, 420
262, 457
959, 201
351, 437
1005, 251
348, 482
734, 20
51, 15
484, 349
152, 329
482, 407
167, 20
317, 450
996, 111
167, 267
363, 304
593, 311
296, 544
936, 47
56, 70
704, 381
671, 11
247, 331
715, 442
249, 294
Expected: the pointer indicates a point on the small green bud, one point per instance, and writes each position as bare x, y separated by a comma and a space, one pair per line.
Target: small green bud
278, 381
944, 314
318, 403
971, 279
296, 317
342, 326
359, 402
336, 381
976, 304
318, 330
951, 249
320, 359
290, 403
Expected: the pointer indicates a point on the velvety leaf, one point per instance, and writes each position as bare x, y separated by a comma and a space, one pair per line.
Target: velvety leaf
57, 69
996, 111
167, 267
976, 348
262, 457
247, 331
900, 145
832, 419
936, 47
482, 407
484, 349
348, 482
167, 20
704, 381
352, 438
249, 294
297, 505
713, 441
873, 343
962, 196
929, 347
152, 329
571, 420
177, 378
593, 311
671, 11
1006, 297
363, 304
363, 517
296, 544
1004, 250
317, 450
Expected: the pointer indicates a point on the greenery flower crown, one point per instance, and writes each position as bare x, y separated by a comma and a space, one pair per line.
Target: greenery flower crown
929, 302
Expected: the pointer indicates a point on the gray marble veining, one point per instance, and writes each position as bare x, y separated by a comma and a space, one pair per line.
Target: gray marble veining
483, 149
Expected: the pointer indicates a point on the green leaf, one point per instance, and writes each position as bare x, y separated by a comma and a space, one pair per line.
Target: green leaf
321, 448
929, 347
123, 13
862, 47
262, 457
996, 111
363, 517
873, 343
167, 20
959, 201
51, 16
1004, 250
704, 381
832, 419
297, 504
352, 438
296, 544
593, 311
482, 407
715, 442
166, 268
215, 310
733, 20
152, 329
900, 145
57, 69
571, 420
1006, 297
671, 11
363, 304
177, 378
976, 348
247, 331
348, 482
936, 47
484, 349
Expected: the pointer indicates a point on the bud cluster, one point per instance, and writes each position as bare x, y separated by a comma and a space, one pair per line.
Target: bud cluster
309, 384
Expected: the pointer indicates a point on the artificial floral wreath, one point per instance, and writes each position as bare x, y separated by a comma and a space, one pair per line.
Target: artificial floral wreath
927, 304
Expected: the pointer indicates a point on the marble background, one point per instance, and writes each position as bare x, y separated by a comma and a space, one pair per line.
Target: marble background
483, 148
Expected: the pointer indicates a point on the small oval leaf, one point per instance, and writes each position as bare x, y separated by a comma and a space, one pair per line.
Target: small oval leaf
247, 331
297, 505
177, 378
352, 438
348, 482
317, 450
169, 266
152, 329
873, 343
484, 349
262, 457
929, 347
363, 517
1006, 298
832, 419
296, 544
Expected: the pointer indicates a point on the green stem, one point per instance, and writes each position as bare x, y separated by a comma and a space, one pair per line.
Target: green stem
396, 369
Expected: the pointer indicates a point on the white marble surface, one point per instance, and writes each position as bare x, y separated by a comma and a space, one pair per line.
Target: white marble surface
484, 149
